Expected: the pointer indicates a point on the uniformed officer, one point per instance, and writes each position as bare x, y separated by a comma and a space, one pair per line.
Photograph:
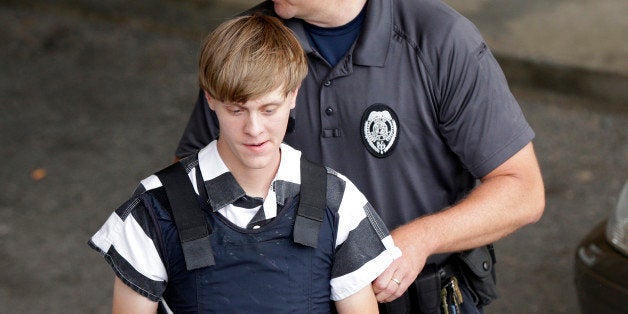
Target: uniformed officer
406, 98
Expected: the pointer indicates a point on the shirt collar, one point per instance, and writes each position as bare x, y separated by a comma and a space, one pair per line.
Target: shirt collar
223, 189
372, 46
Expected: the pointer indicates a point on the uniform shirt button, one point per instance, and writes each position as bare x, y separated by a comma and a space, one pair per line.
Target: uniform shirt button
329, 110
327, 83
485, 265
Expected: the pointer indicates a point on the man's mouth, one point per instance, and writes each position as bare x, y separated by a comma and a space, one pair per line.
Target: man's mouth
260, 144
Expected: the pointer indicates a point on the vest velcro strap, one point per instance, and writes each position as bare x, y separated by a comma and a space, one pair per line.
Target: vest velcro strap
194, 233
312, 203
306, 231
198, 253
192, 226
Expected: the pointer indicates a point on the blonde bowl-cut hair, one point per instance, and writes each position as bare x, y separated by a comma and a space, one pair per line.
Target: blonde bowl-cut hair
249, 56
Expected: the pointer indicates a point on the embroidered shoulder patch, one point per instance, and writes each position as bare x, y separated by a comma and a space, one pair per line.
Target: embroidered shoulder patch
380, 130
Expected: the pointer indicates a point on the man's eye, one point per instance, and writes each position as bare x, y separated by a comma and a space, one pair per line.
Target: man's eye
270, 110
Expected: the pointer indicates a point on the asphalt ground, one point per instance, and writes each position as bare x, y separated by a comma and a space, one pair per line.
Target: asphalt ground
91, 104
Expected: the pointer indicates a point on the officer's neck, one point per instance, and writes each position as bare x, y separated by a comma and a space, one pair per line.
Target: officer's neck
339, 14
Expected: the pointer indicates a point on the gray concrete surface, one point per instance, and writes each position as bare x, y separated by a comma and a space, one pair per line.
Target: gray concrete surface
94, 95
589, 34
571, 46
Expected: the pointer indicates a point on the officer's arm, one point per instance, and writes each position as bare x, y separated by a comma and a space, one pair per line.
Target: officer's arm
362, 301
126, 300
510, 196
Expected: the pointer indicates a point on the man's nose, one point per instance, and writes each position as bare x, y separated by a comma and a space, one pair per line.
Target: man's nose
254, 124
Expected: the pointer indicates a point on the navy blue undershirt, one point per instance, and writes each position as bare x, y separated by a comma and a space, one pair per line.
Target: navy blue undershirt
334, 42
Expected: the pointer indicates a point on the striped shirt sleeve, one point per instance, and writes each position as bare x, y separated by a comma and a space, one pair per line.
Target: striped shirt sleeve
364, 247
128, 242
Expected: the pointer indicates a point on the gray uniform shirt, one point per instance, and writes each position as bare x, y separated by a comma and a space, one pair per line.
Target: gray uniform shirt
416, 111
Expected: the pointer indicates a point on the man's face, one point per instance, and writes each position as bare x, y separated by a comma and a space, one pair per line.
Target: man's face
251, 133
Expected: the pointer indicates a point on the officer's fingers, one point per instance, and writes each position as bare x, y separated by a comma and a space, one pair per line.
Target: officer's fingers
391, 288
401, 280
401, 288
379, 285
383, 280
397, 285
384, 290
388, 292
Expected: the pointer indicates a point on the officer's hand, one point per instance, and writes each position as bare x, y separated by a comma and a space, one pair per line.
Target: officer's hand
396, 279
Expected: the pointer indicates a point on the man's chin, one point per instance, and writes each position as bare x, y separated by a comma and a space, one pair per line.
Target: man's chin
258, 164
282, 11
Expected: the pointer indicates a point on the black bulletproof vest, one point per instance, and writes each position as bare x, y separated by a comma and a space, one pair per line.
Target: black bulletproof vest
285, 266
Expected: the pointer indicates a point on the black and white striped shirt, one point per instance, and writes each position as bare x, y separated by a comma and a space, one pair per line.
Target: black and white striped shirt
129, 239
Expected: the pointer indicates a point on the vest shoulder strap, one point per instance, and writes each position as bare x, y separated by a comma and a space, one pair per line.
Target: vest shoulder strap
194, 231
192, 226
312, 203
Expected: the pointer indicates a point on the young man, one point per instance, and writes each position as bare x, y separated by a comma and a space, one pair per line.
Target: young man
249, 184
406, 99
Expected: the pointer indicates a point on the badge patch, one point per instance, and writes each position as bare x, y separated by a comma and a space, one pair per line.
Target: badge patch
380, 130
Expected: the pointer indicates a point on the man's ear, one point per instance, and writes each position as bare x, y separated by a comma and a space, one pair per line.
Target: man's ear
209, 101
293, 97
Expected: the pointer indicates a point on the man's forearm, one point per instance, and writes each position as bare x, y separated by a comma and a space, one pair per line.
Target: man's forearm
508, 198
362, 301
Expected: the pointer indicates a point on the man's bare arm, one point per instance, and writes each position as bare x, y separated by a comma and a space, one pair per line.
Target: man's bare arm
126, 300
362, 301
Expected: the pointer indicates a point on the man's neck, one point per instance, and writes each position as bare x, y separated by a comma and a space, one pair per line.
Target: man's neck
256, 182
336, 15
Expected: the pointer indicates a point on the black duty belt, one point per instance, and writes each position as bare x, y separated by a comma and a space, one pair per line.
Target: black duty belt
447, 271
